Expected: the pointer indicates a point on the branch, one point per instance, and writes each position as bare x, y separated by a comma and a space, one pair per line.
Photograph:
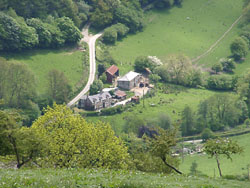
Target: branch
170, 166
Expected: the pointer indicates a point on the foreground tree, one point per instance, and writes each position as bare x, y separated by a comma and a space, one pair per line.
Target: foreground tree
17, 140
161, 146
222, 147
72, 142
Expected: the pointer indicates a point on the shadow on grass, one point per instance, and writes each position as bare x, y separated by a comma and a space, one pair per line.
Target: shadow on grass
27, 54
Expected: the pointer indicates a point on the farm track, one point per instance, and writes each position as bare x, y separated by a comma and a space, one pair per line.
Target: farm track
217, 42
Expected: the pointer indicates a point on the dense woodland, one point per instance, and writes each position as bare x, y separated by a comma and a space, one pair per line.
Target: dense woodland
51, 24
61, 138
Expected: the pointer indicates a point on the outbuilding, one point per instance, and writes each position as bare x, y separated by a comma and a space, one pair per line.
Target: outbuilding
112, 73
130, 80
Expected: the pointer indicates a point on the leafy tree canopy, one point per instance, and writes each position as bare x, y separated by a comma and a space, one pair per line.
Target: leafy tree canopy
71, 141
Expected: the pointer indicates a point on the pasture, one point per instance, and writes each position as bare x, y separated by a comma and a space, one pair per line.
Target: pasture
190, 30
171, 104
69, 61
208, 166
70, 178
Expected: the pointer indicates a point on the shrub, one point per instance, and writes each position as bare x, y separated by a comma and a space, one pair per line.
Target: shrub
143, 62
221, 82
228, 64
239, 48
207, 134
121, 29
112, 110
217, 67
110, 35
89, 114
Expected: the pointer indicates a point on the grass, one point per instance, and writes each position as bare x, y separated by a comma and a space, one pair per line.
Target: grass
209, 166
171, 32
243, 67
41, 62
49, 178
171, 104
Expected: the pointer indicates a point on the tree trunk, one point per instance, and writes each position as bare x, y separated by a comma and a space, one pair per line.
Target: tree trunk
218, 164
13, 142
170, 166
248, 172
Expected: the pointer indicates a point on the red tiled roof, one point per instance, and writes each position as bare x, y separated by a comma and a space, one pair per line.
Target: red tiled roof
112, 70
120, 93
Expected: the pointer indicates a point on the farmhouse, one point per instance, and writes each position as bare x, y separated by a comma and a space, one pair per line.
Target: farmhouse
129, 81
95, 102
112, 73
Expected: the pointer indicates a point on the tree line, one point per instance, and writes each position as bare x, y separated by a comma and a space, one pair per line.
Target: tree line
18, 90
220, 112
19, 34
48, 24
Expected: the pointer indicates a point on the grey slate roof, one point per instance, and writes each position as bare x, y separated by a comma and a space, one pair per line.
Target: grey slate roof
98, 97
129, 76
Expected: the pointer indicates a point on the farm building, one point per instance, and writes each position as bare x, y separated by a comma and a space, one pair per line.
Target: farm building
95, 102
129, 81
112, 73
120, 94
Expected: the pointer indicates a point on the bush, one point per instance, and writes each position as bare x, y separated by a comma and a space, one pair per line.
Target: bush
131, 17
117, 31
143, 62
207, 134
221, 82
112, 110
239, 48
95, 87
228, 64
121, 29
217, 67
110, 35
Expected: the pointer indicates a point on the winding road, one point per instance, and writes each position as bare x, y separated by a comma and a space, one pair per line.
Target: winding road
90, 40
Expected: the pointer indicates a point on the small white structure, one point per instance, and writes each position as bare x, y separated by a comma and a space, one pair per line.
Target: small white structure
129, 81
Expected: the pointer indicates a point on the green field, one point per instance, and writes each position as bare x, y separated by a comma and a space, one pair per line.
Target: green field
190, 30
41, 62
171, 104
71, 178
207, 165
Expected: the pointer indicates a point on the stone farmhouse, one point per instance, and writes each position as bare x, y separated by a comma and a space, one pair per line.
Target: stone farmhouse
130, 80
95, 102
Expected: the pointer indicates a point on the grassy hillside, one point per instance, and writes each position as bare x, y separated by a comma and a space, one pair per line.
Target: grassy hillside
191, 30
42, 61
48, 178
207, 165
171, 104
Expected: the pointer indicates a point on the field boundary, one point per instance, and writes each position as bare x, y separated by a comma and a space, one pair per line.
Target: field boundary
217, 42
223, 134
